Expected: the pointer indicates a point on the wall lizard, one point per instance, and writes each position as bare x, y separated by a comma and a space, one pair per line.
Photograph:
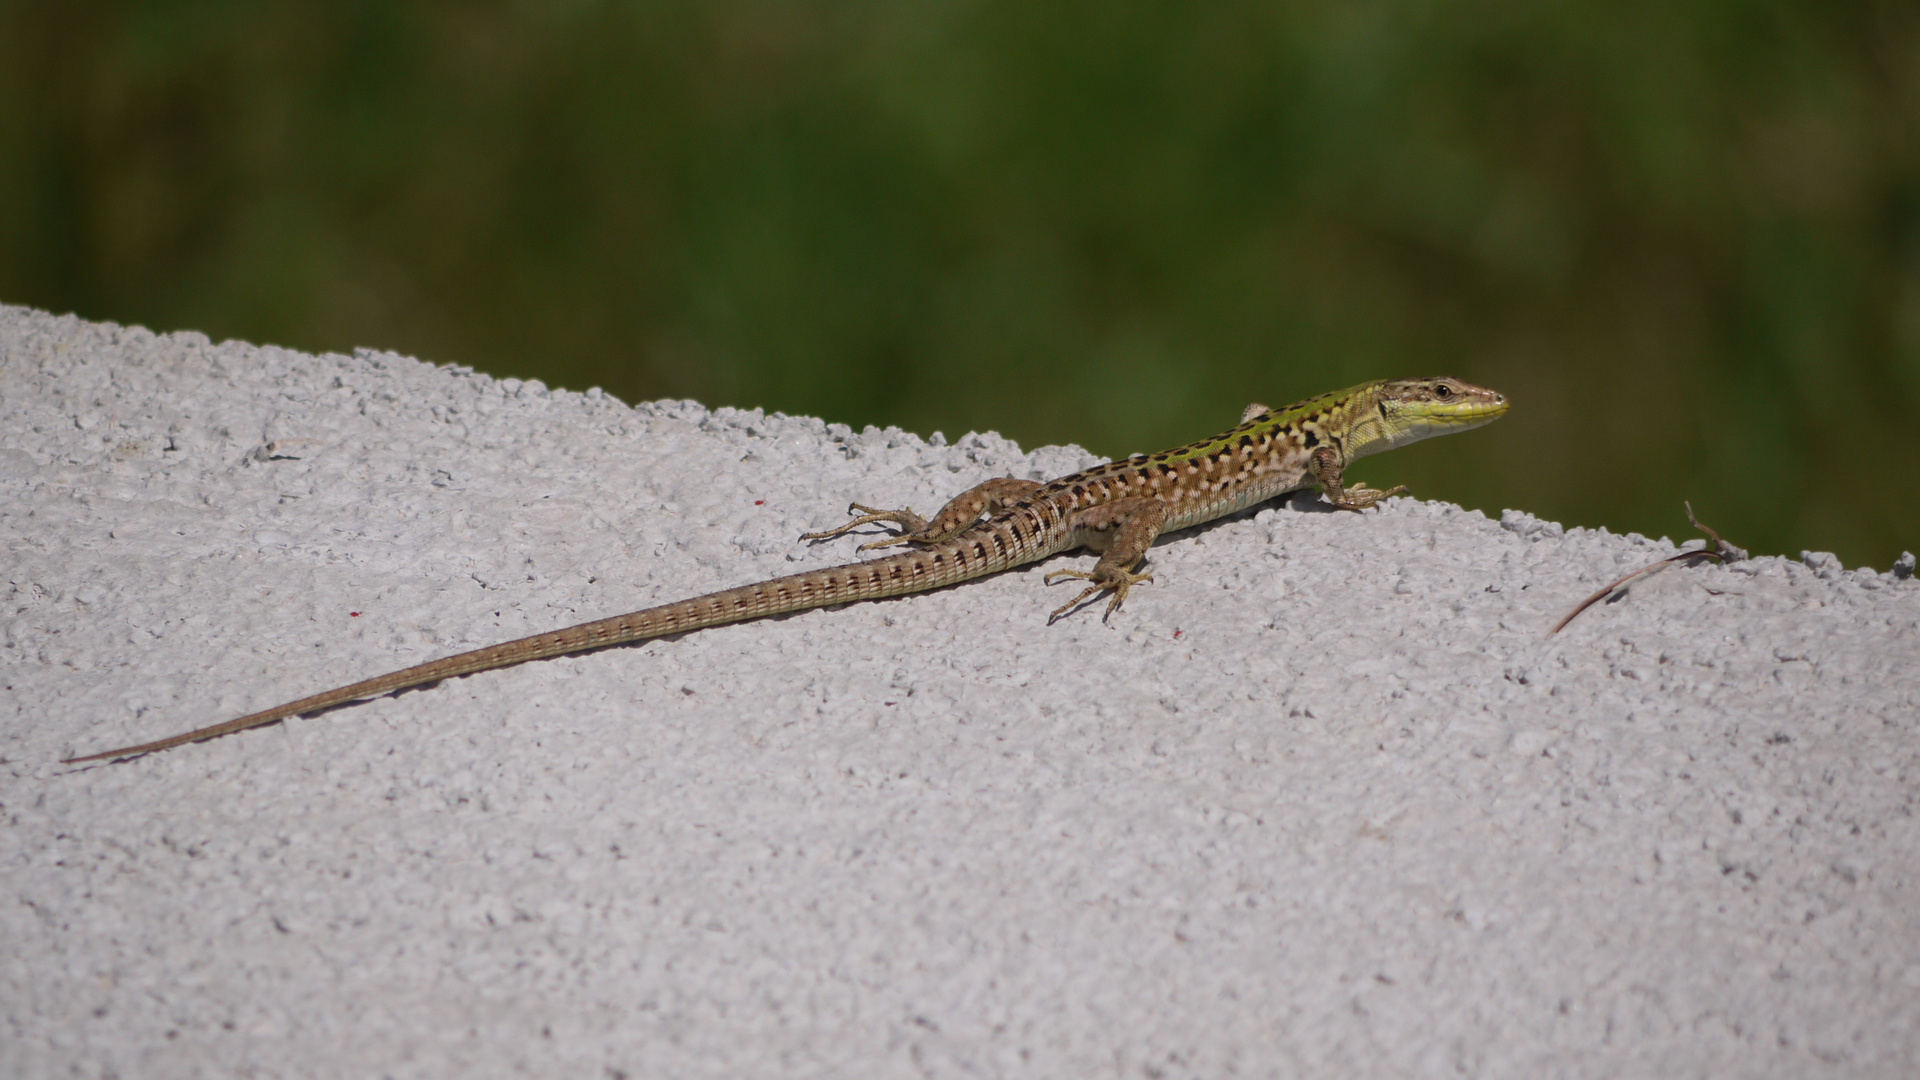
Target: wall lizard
1116, 509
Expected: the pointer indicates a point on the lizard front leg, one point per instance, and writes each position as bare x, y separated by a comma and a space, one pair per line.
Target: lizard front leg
1327, 469
953, 519
1126, 528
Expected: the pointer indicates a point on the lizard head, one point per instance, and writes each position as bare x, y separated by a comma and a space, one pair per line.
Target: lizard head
1408, 410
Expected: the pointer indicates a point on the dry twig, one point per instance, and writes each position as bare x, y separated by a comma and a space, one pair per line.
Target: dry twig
1717, 549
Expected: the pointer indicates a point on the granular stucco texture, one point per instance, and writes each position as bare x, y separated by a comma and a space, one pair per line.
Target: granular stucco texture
1323, 800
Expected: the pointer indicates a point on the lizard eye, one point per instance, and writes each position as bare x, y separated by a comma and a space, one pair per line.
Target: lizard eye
1442, 391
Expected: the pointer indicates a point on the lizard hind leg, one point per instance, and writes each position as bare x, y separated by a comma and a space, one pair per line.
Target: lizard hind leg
959, 515
910, 524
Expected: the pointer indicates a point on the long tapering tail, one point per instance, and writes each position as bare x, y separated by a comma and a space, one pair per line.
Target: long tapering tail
927, 568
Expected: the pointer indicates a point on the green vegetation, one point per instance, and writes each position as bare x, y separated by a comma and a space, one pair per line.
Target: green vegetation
1685, 238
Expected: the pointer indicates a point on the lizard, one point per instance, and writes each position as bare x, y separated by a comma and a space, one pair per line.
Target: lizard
1116, 509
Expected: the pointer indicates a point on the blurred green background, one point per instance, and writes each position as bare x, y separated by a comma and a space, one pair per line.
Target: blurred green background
1684, 238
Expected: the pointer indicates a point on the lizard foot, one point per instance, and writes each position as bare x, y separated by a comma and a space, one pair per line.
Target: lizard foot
1111, 578
1360, 496
911, 525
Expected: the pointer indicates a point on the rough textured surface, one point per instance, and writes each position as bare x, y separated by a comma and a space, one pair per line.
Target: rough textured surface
1323, 800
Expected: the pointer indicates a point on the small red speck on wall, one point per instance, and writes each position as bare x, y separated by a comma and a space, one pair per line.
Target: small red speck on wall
353, 614
759, 502
1177, 633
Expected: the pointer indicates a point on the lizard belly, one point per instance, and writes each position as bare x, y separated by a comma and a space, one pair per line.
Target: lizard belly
1206, 506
